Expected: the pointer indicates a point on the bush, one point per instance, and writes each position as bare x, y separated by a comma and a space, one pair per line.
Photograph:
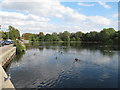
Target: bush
15, 42
19, 47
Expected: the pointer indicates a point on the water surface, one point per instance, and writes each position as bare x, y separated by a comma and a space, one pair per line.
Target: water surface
53, 65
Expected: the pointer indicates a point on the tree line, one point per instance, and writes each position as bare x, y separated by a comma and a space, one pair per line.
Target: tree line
107, 35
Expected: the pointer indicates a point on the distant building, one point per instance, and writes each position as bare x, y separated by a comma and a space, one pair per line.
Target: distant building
25, 41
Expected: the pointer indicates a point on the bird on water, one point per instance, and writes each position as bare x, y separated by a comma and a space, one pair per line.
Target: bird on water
76, 59
55, 57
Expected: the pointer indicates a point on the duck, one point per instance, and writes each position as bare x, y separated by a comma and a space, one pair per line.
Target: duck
76, 59
55, 57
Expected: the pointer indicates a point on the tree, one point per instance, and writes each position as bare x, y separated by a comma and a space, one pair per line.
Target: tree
32, 38
26, 36
60, 35
4, 35
41, 33
72, 37
78, 36
41, 36
116, 37
48, 37
0, 33
66, 36
106, 34
55, 37
13, 33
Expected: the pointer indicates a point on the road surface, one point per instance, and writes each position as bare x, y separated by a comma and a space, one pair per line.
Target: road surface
5, 48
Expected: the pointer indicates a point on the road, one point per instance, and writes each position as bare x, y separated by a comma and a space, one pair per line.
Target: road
5, 48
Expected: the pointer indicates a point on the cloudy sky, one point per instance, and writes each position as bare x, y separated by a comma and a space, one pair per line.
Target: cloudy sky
55, 16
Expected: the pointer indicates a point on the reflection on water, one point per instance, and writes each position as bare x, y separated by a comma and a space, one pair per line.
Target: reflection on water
54, 65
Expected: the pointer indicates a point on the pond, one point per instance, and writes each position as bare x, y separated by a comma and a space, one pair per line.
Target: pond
65, 65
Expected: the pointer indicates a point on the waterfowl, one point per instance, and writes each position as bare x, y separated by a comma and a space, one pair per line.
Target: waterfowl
76, 59
8, 78
55, 57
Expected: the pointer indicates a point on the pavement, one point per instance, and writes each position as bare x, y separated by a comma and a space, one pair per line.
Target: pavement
5, 48
7, 83
4, 51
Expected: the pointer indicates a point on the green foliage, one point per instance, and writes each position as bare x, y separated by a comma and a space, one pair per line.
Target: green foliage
65, 36
55, 37
32, 38
92, 36
48, 37
13, 33
116, 37
107, 35
4, 35
78, 36
73, 39
41, 36
26, 36
19, 46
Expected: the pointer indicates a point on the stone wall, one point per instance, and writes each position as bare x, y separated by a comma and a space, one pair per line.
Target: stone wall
4, 58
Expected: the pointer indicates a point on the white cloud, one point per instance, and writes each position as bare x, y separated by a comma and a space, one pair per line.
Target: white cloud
100, 20
104, 5
20, 16
51, 9
116, 15
87, 5
24, 22
39, 14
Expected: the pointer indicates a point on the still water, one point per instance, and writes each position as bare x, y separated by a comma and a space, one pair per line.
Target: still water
51, 65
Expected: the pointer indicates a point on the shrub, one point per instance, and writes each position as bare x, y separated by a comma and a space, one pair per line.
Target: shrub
19, 47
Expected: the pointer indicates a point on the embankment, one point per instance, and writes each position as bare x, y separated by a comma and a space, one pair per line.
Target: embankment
6, 55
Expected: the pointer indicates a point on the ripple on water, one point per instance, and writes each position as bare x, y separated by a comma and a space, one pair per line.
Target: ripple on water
65, 71
49, 83
45, 83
